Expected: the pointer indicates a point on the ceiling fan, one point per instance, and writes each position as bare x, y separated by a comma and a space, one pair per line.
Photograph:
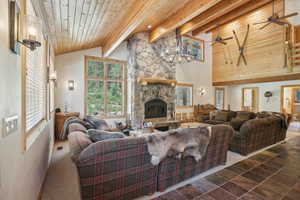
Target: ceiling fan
275, 18
219, 39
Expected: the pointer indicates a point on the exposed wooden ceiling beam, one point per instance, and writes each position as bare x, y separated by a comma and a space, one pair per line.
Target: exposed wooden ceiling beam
210, 14
135, 17
188, 12
232, 15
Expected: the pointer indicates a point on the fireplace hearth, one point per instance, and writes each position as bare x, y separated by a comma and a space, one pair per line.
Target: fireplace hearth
155, 108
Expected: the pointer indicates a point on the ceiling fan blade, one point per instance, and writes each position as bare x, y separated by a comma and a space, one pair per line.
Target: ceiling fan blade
213, 43
223, 42
280, 23
264, 26
287, 16
229, 38
260, 22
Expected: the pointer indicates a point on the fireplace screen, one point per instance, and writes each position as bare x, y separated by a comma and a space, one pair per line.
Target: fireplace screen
155, 108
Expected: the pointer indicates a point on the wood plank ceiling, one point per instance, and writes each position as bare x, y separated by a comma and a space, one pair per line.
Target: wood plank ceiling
83, 24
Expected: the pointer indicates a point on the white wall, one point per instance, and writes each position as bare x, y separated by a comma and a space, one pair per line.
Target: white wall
235, 94
199, 74
292, 6
70, 66
21, 173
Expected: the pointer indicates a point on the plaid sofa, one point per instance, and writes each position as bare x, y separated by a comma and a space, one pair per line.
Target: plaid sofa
258, 133
120, 169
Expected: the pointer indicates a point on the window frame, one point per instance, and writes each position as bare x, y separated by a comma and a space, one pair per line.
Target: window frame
105, 79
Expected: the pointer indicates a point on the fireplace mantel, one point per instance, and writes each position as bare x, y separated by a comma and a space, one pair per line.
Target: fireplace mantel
146, 81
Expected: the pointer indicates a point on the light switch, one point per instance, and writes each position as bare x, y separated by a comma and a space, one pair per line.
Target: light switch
10, 125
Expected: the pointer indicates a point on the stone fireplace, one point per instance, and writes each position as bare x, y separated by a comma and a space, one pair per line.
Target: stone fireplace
153, 100
155, 108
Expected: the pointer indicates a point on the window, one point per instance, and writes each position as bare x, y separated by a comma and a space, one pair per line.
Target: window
220, 98
105, 85
184, 95
35, 82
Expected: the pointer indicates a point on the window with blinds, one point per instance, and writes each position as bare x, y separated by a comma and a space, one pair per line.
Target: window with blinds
35, 89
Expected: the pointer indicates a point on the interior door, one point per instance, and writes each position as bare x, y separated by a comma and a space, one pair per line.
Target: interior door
250, 99
296, 103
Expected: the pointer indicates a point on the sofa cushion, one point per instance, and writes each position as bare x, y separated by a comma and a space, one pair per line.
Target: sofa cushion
100, 135
236, 123
77, 127
99, 124
245, 115
78, 141
221, 116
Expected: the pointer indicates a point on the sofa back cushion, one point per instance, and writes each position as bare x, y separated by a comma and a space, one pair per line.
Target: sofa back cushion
244, 115
78, 141
100, 135
222, 116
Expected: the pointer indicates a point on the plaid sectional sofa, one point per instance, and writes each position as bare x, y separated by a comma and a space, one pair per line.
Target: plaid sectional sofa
258, 133
120, 169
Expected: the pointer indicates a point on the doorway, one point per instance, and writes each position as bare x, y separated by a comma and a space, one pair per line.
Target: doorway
290, 101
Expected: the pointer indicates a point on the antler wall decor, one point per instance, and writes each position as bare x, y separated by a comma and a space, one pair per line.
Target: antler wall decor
241, 47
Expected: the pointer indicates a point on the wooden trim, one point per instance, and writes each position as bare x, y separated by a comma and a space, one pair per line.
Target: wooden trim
188, 12
105, 80
184, 107
287, 77
185, 84
145, 81
222, 89
255, 99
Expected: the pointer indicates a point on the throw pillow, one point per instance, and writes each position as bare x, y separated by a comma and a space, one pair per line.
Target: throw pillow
221, 116
76, 127
100, 135
78, 141
243, 115
236, 123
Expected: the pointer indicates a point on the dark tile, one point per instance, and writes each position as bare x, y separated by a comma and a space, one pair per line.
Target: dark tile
253, 177
247, 164
251, 196
297, 186
275, 163
293, 194
204, 185
204, 197
234, 189
263, 170
276, 186
236, 170
173, 195
218, 180
189, 191
267, 193
244, 182
227, 174
284, 179
221, 194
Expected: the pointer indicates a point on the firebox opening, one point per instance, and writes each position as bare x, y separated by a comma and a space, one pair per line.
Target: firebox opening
155, 108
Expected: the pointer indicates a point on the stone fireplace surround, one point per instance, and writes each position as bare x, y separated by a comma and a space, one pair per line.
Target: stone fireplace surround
145, 61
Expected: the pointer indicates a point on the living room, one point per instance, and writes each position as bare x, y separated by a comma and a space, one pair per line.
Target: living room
150, 99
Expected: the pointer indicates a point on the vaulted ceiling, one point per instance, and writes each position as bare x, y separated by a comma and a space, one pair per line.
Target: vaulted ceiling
83, 24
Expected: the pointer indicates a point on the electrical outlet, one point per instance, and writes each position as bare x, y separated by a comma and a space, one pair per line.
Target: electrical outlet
10, 125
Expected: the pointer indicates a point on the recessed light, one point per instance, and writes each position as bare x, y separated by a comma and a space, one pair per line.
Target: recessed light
149, 26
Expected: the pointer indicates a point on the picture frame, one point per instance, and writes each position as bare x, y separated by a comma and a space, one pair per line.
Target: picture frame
194, 47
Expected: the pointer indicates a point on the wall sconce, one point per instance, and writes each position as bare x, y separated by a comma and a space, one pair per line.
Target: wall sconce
53, 76
71, 85
29, 37
202, 91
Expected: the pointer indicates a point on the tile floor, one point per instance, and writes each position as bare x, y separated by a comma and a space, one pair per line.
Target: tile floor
273, 174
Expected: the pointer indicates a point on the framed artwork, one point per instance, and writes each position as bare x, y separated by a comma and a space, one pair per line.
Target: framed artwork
194, 47
297, 96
